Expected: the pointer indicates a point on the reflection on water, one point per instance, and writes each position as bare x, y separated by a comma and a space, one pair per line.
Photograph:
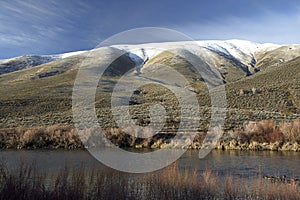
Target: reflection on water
245, 164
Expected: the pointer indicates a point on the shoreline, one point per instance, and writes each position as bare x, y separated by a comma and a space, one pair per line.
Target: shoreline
222, 146
262, 135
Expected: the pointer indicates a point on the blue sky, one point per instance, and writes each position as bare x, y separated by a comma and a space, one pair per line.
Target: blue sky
48, 27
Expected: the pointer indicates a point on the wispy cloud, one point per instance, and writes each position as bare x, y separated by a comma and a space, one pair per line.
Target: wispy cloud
17, 40
269, 27
44, 27
33, 22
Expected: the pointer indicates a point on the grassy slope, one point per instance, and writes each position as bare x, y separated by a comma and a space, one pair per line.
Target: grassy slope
28, 100
278, 85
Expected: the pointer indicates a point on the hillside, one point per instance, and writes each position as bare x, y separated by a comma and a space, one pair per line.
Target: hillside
262, 81
28, 61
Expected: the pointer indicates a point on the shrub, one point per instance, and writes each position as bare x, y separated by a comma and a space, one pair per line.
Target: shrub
275, 136
291, 130
56, 136
269, 131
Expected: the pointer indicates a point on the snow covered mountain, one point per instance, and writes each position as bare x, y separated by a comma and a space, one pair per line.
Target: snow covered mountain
241, 52
28, 61
237, 57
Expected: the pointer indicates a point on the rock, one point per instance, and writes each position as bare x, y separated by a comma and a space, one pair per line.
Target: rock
295, 147
286, 147
157, 144
256, 90
254, 146
138, 146
241, 92
136, 92
195, 145
274, 146
232, 144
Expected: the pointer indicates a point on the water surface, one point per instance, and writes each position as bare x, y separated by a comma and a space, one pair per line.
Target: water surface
245, 164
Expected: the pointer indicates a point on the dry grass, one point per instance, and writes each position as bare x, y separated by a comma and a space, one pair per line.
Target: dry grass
66, 137
235, 188
209, 181
291, 130
56, 136
285, 136
267, 190
170, 183
268, 131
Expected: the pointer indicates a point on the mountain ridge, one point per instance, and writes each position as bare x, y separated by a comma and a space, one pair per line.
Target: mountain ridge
240, 51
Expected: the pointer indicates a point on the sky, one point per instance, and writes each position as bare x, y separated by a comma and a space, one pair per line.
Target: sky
58, 26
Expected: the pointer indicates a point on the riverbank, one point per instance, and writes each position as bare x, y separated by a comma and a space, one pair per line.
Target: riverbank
263, 135
254, 136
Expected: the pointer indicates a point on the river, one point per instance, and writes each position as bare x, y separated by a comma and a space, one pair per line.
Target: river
244, 164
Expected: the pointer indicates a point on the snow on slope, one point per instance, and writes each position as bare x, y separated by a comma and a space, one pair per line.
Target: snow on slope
230, 47
23, 62
28, 61
43, 58
241, 52
143, 51
239, 49
66, 55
